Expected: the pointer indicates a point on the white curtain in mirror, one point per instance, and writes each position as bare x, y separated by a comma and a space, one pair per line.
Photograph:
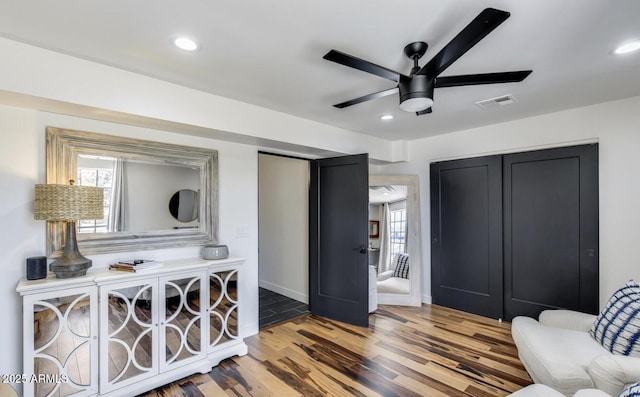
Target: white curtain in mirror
118, 192
385, 240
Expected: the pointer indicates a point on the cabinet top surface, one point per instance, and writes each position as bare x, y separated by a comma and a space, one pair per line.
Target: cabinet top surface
102, 275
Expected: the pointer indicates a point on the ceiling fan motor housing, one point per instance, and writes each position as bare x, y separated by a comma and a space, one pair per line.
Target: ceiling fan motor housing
416, 92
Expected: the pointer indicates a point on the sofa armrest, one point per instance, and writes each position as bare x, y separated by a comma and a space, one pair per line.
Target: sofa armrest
591, 393
539, 390
536, 390
567, 319
612, 372
385, 275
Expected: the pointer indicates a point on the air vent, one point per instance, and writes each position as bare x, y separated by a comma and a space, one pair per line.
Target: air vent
503, 100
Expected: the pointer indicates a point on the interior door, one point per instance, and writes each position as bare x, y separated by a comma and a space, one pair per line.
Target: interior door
338, 235
551, 230
466, 233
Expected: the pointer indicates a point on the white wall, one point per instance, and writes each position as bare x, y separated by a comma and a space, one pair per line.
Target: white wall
284, 226
149, 188
46, 80
615, 125
22, 165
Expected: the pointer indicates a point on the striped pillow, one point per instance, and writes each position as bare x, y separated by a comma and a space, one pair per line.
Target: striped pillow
402, 267
617, 327
632, 391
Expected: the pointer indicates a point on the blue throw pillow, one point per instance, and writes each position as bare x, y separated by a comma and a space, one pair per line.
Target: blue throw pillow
402, 267
632, 391
617, 327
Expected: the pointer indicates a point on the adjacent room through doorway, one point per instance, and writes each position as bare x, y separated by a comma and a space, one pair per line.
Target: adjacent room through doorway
283, 237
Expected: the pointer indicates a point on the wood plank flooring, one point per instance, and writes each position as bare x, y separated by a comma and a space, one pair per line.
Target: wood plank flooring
406, 351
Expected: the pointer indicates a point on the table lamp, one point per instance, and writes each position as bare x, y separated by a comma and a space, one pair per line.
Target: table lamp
69, 203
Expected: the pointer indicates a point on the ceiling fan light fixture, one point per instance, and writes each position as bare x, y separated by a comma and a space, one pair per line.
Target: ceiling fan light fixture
416, 104
416, 93
386, 117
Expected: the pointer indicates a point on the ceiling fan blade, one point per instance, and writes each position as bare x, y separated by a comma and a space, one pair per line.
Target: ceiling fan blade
361, 64
483, 78
365, 98
420, 113
476, 30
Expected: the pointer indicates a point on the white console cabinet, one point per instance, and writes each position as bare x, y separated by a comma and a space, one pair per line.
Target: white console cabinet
120, 334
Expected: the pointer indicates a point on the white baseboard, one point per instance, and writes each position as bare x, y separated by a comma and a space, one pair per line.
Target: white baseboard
427, 299
289, 293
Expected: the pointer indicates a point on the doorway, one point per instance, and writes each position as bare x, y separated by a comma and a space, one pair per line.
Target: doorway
283, 237
301, 253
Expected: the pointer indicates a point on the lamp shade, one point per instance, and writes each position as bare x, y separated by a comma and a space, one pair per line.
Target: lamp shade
68, 202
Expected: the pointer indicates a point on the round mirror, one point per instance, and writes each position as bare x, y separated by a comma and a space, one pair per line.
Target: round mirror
184, 205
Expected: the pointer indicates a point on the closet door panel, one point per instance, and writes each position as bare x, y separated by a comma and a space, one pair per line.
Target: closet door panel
466, 231
550, 229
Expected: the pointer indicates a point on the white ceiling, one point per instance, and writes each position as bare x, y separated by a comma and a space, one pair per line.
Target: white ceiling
269, 53
387, 193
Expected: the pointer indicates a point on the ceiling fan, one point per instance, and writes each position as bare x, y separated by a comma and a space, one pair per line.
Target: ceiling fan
416, 89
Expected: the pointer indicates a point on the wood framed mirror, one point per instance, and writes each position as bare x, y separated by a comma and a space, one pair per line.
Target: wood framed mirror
137, 215
406, 190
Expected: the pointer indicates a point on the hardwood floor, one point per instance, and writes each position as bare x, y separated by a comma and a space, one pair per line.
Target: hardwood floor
406, 351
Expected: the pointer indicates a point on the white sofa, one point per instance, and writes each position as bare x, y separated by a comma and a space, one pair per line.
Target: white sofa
392, 285
538, 390
373, 290
387, 284
558, 351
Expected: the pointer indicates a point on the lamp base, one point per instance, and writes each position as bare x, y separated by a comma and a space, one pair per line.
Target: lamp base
65, 269
71, 263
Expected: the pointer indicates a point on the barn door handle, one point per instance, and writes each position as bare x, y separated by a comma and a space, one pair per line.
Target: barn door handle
362, 250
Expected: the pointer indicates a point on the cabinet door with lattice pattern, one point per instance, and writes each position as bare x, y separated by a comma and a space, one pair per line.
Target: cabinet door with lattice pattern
223, 307
182, 324
129, 333
61, 354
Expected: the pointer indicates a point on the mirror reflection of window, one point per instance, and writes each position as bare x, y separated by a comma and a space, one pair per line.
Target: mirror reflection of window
96, 171
398, 227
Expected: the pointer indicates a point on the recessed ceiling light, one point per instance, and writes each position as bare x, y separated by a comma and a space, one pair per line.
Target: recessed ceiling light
386, 117
185, 43
627, 47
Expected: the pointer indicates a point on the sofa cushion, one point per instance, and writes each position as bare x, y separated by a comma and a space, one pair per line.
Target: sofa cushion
555, 357
617, 328
394, 285
402, 267
613, 372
